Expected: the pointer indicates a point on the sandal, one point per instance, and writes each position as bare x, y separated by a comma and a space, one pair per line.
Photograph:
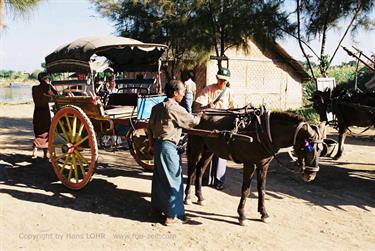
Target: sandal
173, 221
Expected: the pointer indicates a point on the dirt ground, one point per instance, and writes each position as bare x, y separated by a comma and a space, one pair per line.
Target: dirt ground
334, 212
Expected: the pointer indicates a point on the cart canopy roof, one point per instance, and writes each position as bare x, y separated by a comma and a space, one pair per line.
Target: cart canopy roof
124, 54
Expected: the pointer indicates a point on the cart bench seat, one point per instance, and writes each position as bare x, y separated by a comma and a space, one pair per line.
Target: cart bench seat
120, 105
121, 112
91, 108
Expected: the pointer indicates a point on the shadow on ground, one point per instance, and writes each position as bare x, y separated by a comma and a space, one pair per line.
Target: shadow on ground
99, 196
18, 133
334, 186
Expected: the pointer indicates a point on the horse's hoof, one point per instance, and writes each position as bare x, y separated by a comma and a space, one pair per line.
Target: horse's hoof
244, 222
188, 202
201, 202
266, 219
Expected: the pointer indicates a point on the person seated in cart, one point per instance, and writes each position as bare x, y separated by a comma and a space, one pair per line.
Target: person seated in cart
105, 89
111, 85
164, 131
81, 76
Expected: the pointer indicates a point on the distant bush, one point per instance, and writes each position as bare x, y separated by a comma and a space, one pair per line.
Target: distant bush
345, 76
34, 74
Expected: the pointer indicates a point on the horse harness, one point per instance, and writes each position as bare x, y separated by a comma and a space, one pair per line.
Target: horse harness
243, 118
263, 132
307, 146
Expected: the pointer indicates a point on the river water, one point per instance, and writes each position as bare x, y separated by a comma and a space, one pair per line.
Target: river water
16, 93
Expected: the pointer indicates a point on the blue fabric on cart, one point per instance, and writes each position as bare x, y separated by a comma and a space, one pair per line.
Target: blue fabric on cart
145, 104
167, 186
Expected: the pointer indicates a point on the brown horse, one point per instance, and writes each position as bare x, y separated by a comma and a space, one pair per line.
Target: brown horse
351, 108
270, 132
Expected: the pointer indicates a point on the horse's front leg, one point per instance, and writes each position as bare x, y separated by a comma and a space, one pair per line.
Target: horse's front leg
262, 170
191, 170
194, 154
200, 169
343, 132
248, 173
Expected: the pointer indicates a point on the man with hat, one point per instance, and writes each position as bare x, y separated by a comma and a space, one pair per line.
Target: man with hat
219, 96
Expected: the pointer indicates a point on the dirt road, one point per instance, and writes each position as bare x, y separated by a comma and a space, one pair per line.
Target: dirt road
335, 212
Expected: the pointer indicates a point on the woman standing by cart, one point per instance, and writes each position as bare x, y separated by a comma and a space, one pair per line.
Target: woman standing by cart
42, 116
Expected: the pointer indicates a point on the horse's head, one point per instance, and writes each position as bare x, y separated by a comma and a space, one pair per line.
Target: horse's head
307, 145
321, 100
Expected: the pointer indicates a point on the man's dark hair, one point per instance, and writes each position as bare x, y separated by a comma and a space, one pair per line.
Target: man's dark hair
185, 75
43, 75
171, 87
190, 74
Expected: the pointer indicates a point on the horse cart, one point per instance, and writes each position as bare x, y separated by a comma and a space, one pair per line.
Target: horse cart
82, 118
350, 107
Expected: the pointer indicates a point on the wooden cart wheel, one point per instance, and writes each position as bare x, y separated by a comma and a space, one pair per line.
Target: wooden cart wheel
72, 147
138, 143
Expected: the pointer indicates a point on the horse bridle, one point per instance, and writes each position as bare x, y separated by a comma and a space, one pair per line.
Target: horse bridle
264, 132
316, 140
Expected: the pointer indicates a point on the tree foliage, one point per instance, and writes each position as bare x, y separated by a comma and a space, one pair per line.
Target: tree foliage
225, 24
194, 28
163, 21
316, 17
15, 8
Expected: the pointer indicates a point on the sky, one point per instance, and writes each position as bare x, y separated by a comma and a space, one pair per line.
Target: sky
26, 41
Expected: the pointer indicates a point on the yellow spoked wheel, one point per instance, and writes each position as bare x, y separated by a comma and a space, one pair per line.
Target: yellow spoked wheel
72, 147
138, 143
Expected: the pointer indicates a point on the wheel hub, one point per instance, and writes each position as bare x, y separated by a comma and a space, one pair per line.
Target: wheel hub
68, 148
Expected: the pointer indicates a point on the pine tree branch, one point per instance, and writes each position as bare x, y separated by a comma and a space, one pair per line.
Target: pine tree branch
300, 41
346, 31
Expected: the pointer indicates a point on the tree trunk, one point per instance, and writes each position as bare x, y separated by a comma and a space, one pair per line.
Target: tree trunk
300, 42
2, 14
358, 10
324, 68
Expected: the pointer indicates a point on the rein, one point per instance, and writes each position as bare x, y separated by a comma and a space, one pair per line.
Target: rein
228, 112
263, 131
297, 131
216, 134
241, 121
352, 133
